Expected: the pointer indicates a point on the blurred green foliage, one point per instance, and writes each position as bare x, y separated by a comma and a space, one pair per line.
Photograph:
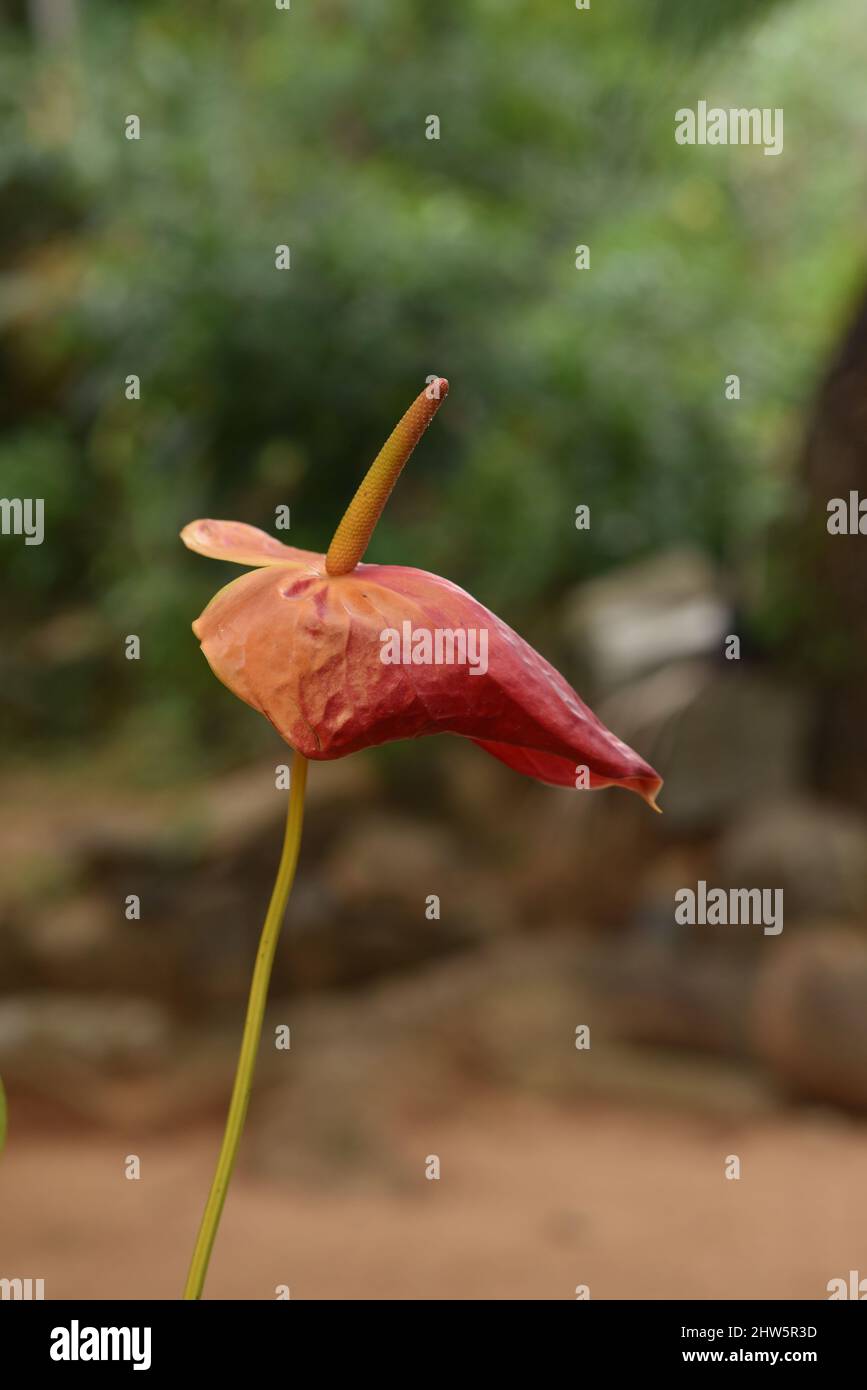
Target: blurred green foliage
409, 256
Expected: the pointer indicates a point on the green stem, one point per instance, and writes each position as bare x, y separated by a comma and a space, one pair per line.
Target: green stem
252, 1030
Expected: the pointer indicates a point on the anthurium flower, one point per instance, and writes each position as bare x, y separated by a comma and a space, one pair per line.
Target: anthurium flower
340, 655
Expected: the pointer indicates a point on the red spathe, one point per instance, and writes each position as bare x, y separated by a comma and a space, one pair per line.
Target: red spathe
306, 649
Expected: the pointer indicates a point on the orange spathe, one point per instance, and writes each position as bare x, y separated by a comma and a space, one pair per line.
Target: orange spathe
305, 640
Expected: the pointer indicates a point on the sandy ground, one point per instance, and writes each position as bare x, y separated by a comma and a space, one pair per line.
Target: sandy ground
531, 1202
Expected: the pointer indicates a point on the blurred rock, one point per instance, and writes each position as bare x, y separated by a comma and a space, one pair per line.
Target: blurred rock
246, 804
363, 911
809, 1022
582, 856
70, 930
815, 851
715, 733
666, 609
418, 1047
678, 865
334, 1108
670, 995
384, 856
48, 1030
116, 1062
479, 791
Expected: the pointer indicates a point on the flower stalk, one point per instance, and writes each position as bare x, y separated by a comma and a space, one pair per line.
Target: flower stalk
300, 640
252, 1030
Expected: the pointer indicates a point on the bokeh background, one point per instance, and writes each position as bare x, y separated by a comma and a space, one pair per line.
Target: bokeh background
606, 387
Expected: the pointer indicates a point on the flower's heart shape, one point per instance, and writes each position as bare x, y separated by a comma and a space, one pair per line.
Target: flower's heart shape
315, 653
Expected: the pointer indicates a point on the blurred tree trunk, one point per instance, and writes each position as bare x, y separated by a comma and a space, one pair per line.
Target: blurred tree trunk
831, 571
